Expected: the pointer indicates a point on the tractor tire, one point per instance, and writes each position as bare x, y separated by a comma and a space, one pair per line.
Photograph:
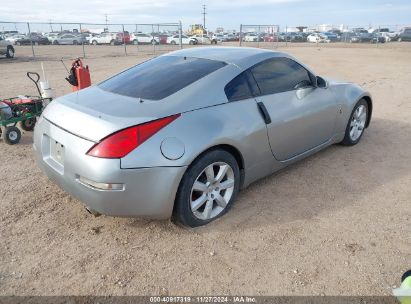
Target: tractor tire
12, 135
28, 124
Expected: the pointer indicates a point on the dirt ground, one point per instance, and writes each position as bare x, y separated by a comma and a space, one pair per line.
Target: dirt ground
337, 223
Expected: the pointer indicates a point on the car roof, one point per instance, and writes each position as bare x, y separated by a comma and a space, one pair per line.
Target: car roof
241, 56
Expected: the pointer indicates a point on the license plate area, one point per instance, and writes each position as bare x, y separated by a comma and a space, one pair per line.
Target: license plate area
57, 151
53, 153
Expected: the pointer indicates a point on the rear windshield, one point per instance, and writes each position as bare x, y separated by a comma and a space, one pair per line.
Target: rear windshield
160, 77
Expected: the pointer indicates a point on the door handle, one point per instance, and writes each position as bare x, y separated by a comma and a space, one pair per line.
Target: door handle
264, 113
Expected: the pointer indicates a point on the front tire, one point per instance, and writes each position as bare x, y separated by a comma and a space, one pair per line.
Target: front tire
208, 189
10, 52
356, 124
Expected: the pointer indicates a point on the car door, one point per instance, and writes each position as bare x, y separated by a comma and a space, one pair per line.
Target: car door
302, 115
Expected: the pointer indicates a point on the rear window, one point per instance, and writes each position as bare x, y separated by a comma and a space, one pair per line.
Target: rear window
160, 77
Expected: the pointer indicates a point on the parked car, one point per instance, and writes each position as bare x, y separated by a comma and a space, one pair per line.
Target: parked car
141, 38
250, 37
331, 37
222, 119
350, 37
405, 35
13, 38
377, 38
36, 38
363, 35
6, 48
163, 38
292, 37
52, 36
204, 39
71, 39
270, 38
317, 38
89, 37
106, 38
123, 37
184, 40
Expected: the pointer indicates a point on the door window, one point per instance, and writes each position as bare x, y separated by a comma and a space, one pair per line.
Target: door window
280, 75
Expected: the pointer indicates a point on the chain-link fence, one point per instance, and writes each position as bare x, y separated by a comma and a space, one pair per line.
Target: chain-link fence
274, 36
266, 36
70, 40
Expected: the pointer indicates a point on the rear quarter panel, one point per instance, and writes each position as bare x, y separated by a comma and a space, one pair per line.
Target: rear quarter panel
238, 124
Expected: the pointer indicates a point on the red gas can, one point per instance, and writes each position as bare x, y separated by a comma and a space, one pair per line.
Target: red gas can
79, 76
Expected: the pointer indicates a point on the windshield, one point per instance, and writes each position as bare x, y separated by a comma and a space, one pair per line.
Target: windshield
160, 77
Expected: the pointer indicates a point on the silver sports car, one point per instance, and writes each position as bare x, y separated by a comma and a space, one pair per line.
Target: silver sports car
179, 135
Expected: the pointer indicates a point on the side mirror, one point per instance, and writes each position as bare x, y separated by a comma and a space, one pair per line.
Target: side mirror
321, 82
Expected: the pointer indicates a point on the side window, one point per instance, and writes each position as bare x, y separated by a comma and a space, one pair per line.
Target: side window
280, 75
240, 88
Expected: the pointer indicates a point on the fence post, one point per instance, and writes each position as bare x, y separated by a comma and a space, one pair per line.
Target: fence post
152, 34
180, 33
286, 35
124, 41
278, 36
31, 41
82, 42
379, 33
241, 34
258, 36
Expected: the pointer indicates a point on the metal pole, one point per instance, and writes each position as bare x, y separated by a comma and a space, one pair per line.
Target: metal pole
241, 34
152, 34
379, 33
286, 36
258, 36
82, 42
180, 33
124, 41
31, 41
278, 36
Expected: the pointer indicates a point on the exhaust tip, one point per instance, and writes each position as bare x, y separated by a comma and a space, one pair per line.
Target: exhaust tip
93, 212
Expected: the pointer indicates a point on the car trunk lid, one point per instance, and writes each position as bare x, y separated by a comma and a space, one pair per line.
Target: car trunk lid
94, 114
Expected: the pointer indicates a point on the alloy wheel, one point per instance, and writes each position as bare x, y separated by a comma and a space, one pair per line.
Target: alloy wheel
358, 121
212, 191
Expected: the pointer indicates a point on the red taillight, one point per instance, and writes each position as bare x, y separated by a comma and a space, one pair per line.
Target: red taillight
119, 144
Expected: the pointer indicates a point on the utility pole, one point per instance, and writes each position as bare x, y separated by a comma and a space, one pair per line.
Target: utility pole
106, 29
204, 16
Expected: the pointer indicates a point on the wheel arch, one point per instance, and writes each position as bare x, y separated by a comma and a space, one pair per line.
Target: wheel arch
368, 99
230, 149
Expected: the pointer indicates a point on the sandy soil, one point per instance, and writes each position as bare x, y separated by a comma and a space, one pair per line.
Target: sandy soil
337, 223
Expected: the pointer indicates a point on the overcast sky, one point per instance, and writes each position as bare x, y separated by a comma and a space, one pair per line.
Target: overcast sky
228, 14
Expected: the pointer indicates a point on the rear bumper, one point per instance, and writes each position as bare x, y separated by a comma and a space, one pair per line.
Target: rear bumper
148, 192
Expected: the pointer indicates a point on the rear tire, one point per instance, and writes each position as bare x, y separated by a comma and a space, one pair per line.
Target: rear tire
28, 124
214, 192
12, 135
10, 52
356, 125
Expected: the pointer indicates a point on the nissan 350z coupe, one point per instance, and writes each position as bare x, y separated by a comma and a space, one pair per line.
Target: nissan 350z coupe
179, 135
